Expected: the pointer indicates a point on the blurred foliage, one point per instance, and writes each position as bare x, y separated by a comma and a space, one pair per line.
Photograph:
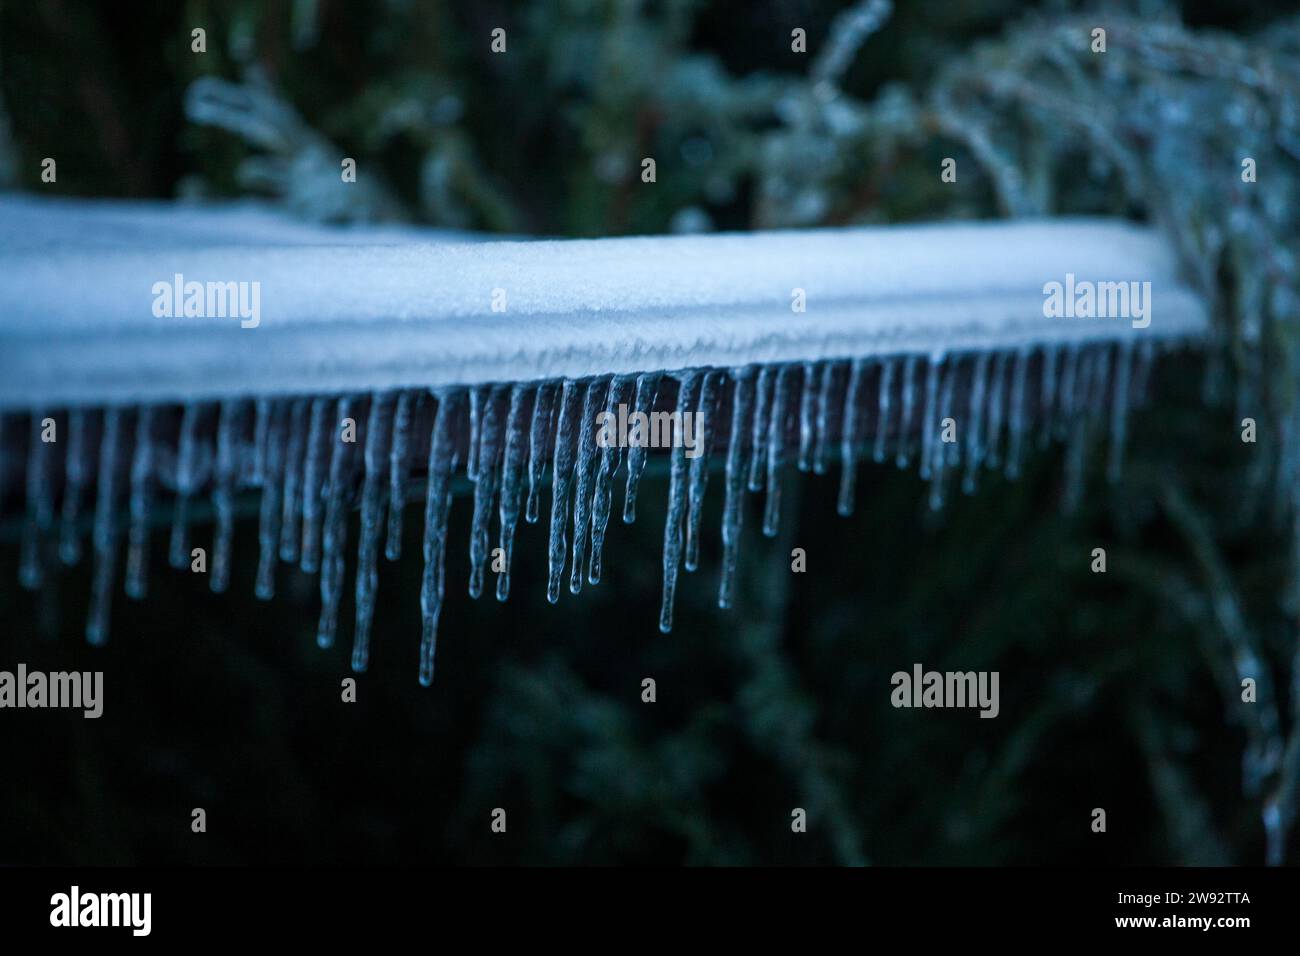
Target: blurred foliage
1119, 690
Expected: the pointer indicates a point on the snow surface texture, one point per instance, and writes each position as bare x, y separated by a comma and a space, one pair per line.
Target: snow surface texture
348, 309
392, 331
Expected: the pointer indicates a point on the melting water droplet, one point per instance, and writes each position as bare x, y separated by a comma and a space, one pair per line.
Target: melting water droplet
379, 435
399, 472
647, 387
142, 467
742, 393
849, 439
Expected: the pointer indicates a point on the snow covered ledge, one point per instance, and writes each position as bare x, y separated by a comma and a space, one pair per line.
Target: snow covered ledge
339, 310
345, 364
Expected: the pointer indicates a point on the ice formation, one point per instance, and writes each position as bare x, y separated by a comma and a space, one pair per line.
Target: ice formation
906, 328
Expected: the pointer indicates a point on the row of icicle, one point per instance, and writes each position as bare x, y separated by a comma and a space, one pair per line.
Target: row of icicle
310, 479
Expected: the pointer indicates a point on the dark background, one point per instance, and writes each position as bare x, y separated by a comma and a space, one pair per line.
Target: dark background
1111, 685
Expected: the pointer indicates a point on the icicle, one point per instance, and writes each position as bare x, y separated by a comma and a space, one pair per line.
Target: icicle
1017, 423
40, 507
975, 422
1065, 396
512, 470
437, 503
1074, 466
996, 412
1047, 400
261, 428
942, 456
1119, 412
74, 486
1075, 458
289, 533
379, 435
823, 436
699, 478
909, 404
610, 458
1081, 401
186, 484
647, 388
314, 466
884, 403
1146, 354
734, 482
776, 448
597, 391
561, 477
223, 494
271, 511
807, 418
848, 440
142, 465
677, 482
1097, 394
929, 426
105, 531
485, 486
758, 442
334, 531
477, 396
399, 473
540, 427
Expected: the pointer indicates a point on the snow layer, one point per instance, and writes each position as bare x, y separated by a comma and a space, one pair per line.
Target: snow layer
365, 309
